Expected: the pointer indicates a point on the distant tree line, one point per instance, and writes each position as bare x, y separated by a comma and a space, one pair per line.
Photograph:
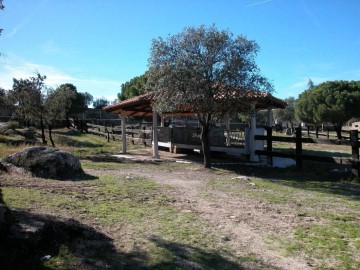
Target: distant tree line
334, 102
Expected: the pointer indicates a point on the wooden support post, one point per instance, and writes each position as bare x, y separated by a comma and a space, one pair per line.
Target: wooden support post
269, 118
308, 131
298, 149
155, 136
354, 142
227, 124
253, 156
269, 145
123, 132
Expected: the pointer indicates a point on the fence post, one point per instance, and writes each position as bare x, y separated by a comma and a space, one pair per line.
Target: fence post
298, 149
269, 145
354, 142
308, 131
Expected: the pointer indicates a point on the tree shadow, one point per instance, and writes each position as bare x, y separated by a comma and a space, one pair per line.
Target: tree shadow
315, 176
38, 241
81, 177
66, 140
181, 256
33, 237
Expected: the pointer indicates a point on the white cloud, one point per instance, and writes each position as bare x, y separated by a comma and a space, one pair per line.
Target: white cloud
94, 85
258, 3
49, 47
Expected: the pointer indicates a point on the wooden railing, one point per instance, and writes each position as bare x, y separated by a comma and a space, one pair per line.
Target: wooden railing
299, 156
134, 135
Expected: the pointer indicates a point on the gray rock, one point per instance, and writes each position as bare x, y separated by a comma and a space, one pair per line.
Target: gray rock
45, 162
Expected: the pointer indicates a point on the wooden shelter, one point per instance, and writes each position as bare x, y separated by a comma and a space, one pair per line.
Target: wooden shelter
141, 106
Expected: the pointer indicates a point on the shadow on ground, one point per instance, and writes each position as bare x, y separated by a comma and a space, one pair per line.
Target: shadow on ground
315, 176
44, 242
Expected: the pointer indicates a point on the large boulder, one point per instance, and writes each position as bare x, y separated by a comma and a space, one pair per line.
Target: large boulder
45, 162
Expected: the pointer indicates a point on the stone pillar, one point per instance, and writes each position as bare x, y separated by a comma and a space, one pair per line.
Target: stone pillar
123, 132
253, 157
269, 116
155, 136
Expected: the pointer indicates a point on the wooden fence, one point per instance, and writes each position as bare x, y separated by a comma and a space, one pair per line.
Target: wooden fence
299, 156
135, 135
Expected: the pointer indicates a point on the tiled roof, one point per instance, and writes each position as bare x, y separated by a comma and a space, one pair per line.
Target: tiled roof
141, 105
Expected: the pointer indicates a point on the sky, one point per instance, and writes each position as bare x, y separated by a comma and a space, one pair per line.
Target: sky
97, 45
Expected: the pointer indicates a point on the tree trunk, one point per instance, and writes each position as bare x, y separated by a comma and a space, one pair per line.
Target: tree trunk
67, 121
205, 130
50, 136
317, 131
338, 131
42, 130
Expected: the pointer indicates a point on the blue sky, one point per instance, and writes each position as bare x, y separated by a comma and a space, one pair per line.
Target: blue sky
99, 44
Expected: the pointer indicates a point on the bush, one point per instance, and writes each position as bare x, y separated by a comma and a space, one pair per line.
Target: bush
12, 124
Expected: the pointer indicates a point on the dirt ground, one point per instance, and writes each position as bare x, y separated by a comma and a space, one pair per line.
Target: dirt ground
245, 223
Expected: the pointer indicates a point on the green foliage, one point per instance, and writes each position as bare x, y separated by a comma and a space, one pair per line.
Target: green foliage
12, 124
100, 103
287, 114
1, 8
135, 87
27, 98
58, 103
205, 71
3, 98
333, 102
78, 102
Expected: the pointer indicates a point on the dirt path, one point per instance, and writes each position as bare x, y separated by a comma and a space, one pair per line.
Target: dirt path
244, 223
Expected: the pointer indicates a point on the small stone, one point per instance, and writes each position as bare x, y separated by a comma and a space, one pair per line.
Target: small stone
45, 258
225, 238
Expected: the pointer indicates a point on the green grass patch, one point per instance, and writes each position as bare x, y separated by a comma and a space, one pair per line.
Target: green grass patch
336, 241
169, 237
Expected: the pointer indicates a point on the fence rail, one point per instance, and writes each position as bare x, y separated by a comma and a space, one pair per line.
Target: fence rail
299, 156
142, 136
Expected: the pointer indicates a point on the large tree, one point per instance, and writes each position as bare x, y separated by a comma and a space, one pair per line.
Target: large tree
27, 98
333, 102
206, 71
77, 102
57, 104
135, 87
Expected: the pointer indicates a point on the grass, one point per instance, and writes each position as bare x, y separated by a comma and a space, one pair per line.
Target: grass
332, 239
151, 231
338, 241
115, 202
